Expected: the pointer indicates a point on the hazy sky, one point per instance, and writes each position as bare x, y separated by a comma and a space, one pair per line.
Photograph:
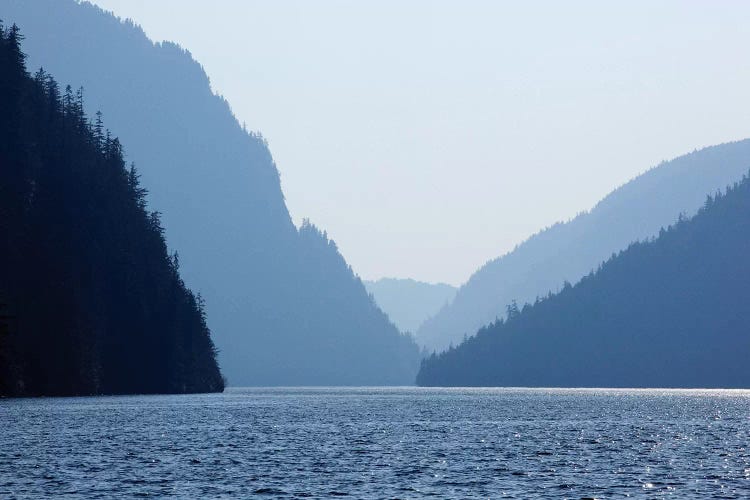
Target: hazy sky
428, 137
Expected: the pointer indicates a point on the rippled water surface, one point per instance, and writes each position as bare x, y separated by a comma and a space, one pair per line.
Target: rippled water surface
381, 443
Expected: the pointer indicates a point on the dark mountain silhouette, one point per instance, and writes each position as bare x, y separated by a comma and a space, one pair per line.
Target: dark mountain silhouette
669, 312
284, 306
90, 300
408, 302
569, 251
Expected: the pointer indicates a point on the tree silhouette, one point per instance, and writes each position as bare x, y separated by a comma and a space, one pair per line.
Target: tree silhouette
668, 312
98, 303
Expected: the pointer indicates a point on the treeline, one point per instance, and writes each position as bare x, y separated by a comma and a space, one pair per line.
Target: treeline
283, 305
92, 301
668, 312
569, 251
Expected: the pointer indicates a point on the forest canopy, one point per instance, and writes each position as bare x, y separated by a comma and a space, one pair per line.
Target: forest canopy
91, 302
668, 312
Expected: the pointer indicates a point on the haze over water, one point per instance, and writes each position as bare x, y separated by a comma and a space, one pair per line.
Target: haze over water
381, 442
157, 247
430, 137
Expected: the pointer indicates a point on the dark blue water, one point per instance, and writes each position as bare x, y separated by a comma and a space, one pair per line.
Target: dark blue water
381, 443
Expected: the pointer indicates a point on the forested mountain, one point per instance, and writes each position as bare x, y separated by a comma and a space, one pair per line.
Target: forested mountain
408, 302
669, 312
90, 300
569, 251
283, 306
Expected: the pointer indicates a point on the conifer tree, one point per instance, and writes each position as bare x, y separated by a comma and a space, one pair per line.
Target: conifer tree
98, 303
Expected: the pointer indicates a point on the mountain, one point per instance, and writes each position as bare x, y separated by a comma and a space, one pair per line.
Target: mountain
568, 251
283, 305
669, 312
408, 302
92, 302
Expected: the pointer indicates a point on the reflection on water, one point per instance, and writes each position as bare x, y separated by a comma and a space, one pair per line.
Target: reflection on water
381, 442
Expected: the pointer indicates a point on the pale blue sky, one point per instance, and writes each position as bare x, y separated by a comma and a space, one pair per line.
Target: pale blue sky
427, 137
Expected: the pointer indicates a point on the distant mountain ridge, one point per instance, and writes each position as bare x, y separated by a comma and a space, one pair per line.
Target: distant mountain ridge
283, 305
568, 251
669, 312
407, 302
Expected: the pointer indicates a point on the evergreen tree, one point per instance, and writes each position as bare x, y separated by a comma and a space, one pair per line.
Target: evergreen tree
668, 312
283, 305
98, 305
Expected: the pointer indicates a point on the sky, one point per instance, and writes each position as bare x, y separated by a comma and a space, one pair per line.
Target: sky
428, 137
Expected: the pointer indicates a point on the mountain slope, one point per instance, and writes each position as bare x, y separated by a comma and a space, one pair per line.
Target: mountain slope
278, 299
568, 251
97, 304
670, 312
408, 302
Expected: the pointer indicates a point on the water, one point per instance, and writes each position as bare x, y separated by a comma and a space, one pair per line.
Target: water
381, 443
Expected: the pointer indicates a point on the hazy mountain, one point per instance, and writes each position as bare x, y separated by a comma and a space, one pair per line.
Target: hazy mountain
97, 304
408, 302
670, 312
568, 251
284, 306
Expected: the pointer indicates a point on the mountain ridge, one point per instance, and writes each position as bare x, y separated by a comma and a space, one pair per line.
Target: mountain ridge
667, 312
567, 251
409, 302
265, 281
